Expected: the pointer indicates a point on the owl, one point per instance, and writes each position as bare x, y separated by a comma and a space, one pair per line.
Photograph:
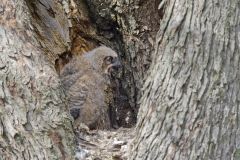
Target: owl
86, 80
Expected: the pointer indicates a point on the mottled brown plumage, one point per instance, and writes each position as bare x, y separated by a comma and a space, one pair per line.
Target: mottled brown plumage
85, 80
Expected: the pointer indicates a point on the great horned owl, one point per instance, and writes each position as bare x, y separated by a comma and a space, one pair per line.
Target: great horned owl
86, 80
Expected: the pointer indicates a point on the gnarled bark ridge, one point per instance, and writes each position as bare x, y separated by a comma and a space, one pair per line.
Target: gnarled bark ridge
190, 106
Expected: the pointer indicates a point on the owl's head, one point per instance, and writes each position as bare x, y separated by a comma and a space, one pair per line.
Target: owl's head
103, 59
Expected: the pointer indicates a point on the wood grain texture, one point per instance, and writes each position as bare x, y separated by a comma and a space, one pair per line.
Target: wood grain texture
190, 106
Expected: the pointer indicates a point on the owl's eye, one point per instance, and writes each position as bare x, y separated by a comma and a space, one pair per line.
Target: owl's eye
109, 59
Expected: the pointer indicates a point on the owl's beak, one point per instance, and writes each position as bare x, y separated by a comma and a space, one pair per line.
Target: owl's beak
116, 64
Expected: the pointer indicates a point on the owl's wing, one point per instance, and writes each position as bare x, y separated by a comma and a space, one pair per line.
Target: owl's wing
69, 75
77, 96
76, 90
69, 80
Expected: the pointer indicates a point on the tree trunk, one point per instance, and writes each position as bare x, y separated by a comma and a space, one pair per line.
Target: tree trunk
34, 120
190, 106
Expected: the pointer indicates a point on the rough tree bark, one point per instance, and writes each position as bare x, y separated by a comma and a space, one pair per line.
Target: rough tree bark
34, 120
190, 106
